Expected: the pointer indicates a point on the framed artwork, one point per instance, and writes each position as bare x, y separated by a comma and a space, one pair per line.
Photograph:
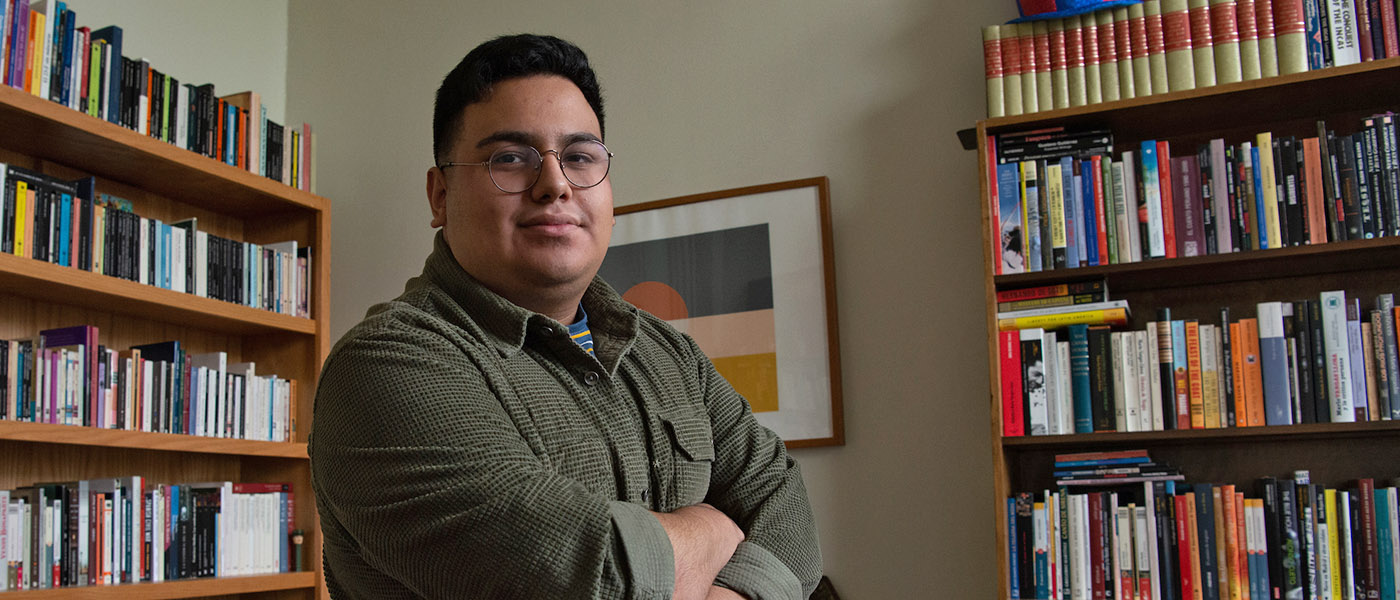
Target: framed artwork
748, 274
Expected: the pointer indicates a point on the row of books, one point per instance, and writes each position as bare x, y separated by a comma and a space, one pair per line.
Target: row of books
68, 223
125, 530
1161, 46
65, 376
43, 51
1309, 361
1174, 540
1063, 199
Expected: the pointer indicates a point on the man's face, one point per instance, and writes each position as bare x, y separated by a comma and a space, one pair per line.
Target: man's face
552, 236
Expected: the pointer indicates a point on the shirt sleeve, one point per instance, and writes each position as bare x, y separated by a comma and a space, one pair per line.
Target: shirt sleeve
420, 465
757, 484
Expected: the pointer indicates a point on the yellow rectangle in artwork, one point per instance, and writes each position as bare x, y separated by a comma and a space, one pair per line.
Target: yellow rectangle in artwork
754, 376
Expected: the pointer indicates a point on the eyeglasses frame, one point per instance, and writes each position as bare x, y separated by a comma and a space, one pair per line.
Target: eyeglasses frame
540, 169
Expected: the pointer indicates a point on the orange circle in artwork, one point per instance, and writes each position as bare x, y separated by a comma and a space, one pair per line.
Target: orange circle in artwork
658, 299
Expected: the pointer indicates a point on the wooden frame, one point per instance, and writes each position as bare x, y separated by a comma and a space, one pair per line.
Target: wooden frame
764, 312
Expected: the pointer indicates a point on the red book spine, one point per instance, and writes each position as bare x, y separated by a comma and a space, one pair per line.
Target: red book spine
1388, 27
1099, 580
1012, 421
1168, 205
1100, 223
1223, 26
1183, 545
1363, 30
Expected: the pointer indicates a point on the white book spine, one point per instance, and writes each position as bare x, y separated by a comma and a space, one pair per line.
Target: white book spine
1155, 376
1120, 408
1341, 17
1066, 388
1052, 384
1338, 354
1144, 380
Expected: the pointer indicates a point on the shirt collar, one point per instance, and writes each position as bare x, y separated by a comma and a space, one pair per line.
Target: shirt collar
613, 321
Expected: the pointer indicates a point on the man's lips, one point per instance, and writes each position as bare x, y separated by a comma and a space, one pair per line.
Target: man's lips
551, 224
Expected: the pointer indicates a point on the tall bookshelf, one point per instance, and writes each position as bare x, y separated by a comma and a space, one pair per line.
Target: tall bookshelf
1198, 287
167, 183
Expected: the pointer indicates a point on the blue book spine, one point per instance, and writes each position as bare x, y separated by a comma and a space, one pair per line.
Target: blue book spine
1030, 184
1091, 228
1385, 550
1313, 23
1179, 369
65, 229
1013, 570
63, 69
19, 31
283, 545
1079, 378
1260, 227
1273, 364
1012, 245
1134, 460
1073, 221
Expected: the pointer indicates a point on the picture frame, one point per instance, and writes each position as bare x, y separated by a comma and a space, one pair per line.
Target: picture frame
747, 273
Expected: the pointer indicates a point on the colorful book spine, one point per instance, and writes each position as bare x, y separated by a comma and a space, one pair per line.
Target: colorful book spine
1338, 355
1273, 359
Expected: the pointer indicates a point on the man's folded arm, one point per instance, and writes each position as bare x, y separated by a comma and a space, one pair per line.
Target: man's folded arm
757, 484
426, 472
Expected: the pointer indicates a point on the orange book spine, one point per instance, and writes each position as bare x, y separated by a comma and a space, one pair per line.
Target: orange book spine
1241, 557
1253, 375
1193, 368
1164, 166
1312, 178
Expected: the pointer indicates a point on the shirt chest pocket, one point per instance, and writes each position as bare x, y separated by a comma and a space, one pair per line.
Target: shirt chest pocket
692, 458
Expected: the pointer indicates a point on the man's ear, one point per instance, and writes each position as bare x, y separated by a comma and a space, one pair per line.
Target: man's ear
437, 196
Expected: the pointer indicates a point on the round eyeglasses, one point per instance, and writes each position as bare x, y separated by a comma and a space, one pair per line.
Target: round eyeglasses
516, 168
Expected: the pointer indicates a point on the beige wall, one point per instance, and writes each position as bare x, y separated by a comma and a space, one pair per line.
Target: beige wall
711, 95
237, 46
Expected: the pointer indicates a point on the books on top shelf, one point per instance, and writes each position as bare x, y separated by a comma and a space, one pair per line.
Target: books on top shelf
69, 223
1281, 537
66, 376
1327, 359
1152, 200
124, 530
43, 51
1161, 46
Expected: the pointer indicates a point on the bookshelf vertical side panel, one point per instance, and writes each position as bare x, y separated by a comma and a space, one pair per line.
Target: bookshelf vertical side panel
990, 244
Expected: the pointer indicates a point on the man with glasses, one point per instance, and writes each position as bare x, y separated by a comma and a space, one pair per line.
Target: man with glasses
509, 427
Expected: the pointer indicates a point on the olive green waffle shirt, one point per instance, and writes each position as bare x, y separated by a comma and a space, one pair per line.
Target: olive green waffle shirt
464, 447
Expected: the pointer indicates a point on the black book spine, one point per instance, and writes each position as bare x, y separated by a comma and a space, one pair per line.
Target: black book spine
1391, 155
1101, 379
1302, 331
1280, 192
1227, 369
1233, 193
1267, 488
1205, 530
1307, 543
1166, 542
7, 226
1208, 216
1360, 174
1292, 155
85, 236
1025, 543
1289, 532
1348, 190
1373, 189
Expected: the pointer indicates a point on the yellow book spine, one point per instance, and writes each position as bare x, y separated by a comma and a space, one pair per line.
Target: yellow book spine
1110, 316
21, 215
1333, 542
1193, 370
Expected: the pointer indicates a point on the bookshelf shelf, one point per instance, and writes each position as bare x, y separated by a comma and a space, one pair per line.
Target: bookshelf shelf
66, 285
1334, 454
141, 440
169, 590
165, 182
57, 133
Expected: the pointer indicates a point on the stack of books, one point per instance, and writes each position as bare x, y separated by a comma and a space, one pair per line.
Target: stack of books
1062, 199
1316, 360
102, 532
44, 52
1291, 538
1161, 46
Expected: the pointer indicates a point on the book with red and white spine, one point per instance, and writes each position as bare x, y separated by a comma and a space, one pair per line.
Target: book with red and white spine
1142, 69
1202, 43
1249, 40
1030, 94
1127, 87
1011, 70
1108, 55
1075, 71
1290, 36
1225, 36
1176, 32
1059, 65
1156, 46
991, 58
1268, 49
1041, 43
1093, 81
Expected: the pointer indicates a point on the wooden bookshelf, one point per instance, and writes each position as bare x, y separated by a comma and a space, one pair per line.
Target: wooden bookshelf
1197, 287
170, 184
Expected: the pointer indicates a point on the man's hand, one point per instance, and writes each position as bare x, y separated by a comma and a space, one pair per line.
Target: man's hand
702, 540
719, 593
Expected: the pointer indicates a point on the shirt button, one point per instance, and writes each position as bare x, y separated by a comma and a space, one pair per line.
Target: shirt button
590, 378
546, 330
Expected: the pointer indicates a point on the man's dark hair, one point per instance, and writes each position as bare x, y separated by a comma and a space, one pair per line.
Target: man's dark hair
503, 58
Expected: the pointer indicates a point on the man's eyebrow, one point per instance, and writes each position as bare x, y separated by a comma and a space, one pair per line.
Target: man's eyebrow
521, 137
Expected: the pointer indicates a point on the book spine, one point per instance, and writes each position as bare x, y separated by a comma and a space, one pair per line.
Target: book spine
1290, 36
1202, 42
1030, 94
1249, 40
1059, 65
1176, 31
1123, 41
1075, 73
1346, 47
1339, 371
1040, 32
1108, 55
1093, 77
1012, 417
1268, 48
1141, 53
